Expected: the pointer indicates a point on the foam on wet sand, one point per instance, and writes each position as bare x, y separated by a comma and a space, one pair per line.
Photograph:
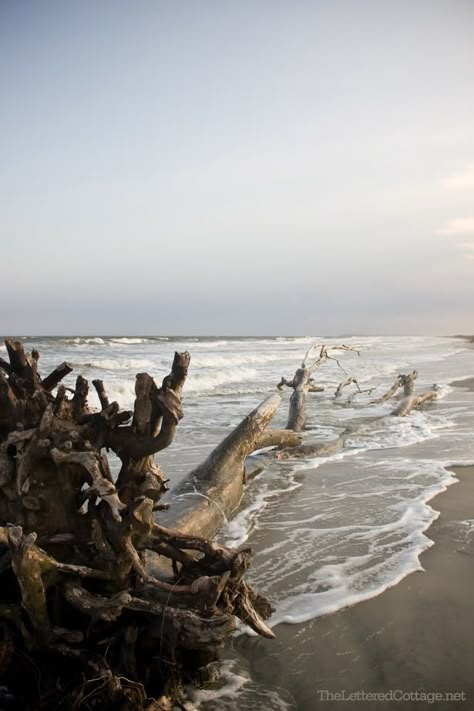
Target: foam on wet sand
417, 635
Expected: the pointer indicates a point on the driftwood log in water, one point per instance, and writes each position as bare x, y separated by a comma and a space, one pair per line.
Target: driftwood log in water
407, 382
317, 449
414, 402
408, 400
358, 391
81, 610
303, 383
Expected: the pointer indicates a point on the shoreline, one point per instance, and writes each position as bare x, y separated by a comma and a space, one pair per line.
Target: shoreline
417, 636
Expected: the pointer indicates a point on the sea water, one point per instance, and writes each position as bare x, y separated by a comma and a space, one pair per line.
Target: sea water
327, 532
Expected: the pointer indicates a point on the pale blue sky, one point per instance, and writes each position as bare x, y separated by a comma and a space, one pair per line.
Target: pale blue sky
246, 167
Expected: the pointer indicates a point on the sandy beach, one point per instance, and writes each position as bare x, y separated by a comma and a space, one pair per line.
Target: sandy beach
416, 637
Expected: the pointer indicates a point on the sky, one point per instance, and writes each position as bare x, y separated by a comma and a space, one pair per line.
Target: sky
236, 167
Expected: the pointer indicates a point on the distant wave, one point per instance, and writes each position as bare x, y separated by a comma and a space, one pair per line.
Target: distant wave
223, 361
120, 364
130, 341
113, 340
207, 344
79, 340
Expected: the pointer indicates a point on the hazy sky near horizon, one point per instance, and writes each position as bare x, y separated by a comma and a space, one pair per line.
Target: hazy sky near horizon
245, 167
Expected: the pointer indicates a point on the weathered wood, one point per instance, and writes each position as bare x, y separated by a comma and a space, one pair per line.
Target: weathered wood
55, 377
302, 383
390, 392
406, 381
414, 402
297, 413
278, 438
101, 393
409, 401
346, 383
19, 361
209, 495
163, 405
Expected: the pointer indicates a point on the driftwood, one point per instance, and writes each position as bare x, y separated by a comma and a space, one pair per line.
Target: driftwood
82, 600
414, 402
318, 449
407, 382
345, 384
303, 383
409, 401
209, 495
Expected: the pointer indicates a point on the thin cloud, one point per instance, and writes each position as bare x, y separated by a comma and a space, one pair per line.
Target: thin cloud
463, 180
458, 226
468, 249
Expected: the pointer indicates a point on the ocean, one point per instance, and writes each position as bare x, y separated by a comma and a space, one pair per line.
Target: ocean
327, 532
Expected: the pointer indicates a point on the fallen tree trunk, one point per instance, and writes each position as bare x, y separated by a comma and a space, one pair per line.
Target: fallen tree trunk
78, 601
207, 497
414, 402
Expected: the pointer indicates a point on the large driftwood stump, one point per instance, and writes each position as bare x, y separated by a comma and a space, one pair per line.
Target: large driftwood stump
80, 602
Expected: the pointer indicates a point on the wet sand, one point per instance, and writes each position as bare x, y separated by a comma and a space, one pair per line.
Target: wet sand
415, 637
468, 384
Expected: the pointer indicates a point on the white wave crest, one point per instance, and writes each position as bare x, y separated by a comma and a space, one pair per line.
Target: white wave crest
123, 391
238, 690
85, 341
211, 381
229, 684
120, 364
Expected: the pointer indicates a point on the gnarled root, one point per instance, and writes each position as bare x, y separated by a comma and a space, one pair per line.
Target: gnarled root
110, 607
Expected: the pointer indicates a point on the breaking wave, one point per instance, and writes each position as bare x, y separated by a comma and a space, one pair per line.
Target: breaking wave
210, 381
